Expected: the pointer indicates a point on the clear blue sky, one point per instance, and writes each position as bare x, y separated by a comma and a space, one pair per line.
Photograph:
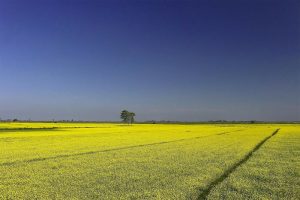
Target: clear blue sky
172, 60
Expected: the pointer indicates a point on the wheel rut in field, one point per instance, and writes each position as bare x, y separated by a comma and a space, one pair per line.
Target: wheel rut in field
204, 193
109, 150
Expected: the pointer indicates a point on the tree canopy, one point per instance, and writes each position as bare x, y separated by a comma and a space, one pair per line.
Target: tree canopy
127, 117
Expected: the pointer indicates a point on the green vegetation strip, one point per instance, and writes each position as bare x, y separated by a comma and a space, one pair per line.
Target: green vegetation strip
229, 171
109, 150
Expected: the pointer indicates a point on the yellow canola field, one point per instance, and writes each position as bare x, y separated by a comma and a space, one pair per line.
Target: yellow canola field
117, 161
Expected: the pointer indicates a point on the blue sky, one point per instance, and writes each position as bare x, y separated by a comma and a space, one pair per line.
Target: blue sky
164, 60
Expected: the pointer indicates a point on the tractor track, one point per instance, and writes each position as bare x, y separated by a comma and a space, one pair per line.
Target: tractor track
110, 150
204, 193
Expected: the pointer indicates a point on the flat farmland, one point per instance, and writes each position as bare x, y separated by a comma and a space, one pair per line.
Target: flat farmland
149, 161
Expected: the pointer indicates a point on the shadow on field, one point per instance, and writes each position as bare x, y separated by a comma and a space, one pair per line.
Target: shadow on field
5, 130
205, 192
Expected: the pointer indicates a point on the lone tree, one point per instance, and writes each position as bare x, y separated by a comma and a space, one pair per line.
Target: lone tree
124, 115
127, 117
131, 117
